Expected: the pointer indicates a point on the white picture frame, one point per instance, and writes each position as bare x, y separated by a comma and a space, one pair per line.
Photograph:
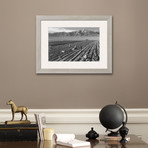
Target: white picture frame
48, 52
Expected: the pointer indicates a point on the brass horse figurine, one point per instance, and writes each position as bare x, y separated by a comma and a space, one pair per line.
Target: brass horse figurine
17, 109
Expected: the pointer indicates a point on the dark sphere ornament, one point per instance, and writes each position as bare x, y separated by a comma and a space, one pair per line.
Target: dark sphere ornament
111, 116
123, 132
92, 134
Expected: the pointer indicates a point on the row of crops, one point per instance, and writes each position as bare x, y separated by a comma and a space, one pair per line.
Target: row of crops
74, 51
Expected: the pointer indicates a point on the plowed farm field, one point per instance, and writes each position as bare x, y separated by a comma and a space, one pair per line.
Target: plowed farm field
87, 50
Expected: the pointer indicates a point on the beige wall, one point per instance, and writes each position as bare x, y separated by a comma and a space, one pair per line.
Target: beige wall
18, 81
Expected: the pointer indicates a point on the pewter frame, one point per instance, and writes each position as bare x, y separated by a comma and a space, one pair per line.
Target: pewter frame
40, 70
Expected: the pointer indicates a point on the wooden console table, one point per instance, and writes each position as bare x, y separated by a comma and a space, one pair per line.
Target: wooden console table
134, 142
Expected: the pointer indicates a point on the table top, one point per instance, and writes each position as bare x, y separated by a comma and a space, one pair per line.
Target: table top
134, 142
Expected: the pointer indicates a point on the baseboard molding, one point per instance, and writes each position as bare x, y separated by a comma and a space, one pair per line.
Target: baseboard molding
74, 116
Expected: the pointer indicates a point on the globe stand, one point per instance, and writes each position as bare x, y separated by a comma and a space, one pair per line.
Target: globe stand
114, 134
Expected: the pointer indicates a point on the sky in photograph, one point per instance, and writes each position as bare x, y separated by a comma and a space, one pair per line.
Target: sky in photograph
70, 29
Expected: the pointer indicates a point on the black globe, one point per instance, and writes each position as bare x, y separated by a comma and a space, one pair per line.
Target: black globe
111, 116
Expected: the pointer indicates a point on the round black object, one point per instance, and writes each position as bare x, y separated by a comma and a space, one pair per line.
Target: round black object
92, 134
111, 116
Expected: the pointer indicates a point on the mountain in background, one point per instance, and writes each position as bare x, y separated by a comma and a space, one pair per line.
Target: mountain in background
79, 33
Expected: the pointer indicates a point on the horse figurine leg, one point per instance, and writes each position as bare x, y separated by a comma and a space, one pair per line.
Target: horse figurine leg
26, 116
24, 112
12, 116
21, 116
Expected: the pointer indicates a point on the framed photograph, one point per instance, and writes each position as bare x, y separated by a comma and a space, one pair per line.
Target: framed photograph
73, 44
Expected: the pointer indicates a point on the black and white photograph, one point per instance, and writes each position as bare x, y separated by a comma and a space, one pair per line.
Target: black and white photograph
73, 44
